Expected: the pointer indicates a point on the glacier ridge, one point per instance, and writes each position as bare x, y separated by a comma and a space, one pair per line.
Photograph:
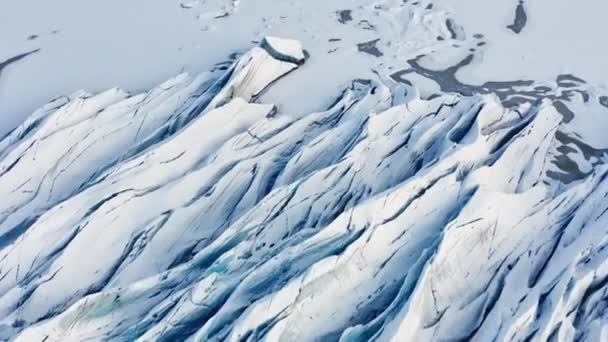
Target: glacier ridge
193, 212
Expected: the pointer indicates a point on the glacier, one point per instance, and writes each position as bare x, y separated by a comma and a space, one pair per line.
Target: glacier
197, 212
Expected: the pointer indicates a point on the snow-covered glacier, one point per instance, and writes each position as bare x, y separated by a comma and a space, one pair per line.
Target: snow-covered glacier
197, 212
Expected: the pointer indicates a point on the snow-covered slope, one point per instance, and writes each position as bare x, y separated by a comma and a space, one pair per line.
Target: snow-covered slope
136, 44
198, 212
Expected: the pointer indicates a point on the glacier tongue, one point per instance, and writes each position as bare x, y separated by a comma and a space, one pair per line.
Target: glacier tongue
192, 212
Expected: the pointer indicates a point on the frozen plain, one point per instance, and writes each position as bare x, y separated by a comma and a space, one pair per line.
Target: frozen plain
391, 170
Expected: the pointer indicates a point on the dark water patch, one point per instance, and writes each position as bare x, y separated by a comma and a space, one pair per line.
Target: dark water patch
507, 84
521, 18
446, 79
568, 80
568, 94
587, 150
32, 37
567, 177
515, 101
567, 84
370, 48
566, 113
603, 100
506, 91
565, 149
568, 170
345, 16
398, 76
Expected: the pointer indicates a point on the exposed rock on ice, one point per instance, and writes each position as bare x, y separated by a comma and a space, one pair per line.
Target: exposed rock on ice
287, 50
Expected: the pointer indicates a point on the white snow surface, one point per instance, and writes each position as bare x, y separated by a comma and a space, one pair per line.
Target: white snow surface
288, 192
